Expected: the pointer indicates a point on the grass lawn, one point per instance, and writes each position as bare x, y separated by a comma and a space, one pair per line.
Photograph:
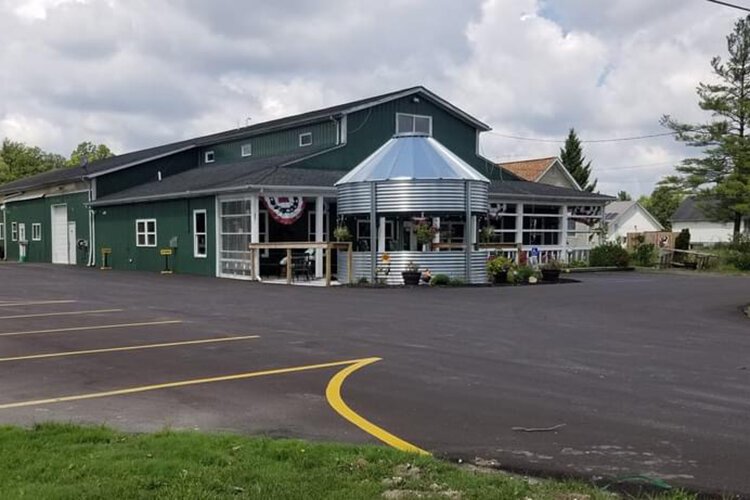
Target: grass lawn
66, 461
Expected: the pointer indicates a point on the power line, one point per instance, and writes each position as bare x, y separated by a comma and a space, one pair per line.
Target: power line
590, 141
727, 4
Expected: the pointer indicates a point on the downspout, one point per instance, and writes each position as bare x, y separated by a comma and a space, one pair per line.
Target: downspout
5, 233
92, 224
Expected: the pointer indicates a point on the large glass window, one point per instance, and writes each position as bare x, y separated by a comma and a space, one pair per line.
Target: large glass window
542, 225
145, 233
503, 219
311, 226
200, 241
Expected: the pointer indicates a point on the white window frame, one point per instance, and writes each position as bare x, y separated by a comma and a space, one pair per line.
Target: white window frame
414, 124
36, 231
196, 252
146, 233
311, 226
306, 134
22, 231
246, 150
14, 231
2, 231
209, 154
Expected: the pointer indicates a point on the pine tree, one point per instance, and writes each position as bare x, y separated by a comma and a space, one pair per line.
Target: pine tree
721, 177
572, 159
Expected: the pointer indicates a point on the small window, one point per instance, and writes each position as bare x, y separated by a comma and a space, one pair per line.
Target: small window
14, 231
145, 233
22, 232
36, 231
247, 150
200, 243
209, 157
305, 139
413, 124
2, 231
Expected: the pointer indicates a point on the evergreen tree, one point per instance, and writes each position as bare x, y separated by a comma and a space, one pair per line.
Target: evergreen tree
572, 159
721, 177
623, 196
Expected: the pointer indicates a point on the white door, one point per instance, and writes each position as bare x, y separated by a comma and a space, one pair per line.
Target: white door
60, 251
72, 241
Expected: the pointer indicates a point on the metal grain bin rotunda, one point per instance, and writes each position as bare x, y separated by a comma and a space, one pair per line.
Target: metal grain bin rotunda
412, 174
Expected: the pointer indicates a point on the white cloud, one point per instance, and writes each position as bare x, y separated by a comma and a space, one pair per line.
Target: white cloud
141, 72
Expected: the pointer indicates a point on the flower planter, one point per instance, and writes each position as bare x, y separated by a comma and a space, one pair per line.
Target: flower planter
411, 277
500, 278
551, 275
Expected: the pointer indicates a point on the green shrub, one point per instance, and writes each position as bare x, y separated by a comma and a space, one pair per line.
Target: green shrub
739, 260
456, 282
363, 281
498, 265
440, 280
645, 255
577, 264
521, 274
609, 255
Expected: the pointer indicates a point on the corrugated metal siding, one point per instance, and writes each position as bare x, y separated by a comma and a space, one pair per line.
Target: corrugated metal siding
39, 211
147, 172
412, 196
479, 197
276, 143
371, 128
115, 229
451, 263
353, 199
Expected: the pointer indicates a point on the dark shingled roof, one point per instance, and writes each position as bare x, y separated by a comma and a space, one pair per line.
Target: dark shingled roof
690, 210
532, 190
269, 171
123, 160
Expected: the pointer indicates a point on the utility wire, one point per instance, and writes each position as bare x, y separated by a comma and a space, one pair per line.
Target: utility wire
727, 4
590, 141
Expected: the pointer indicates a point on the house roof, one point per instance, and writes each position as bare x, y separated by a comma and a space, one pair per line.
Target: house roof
543, 192
412, 158
690, 210
126, 160
529, 170
618, 209
276, 171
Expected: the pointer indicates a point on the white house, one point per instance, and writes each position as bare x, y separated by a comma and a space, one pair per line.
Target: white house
623, 217
703, 230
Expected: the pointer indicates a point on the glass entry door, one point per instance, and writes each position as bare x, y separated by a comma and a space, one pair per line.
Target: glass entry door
235, 216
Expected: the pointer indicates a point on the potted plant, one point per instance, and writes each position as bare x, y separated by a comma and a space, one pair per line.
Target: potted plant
551, 271
411, 275
342, 233
497, 269
524, 274
487, 234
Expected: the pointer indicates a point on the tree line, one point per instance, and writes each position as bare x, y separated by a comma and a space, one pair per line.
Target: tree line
19, 160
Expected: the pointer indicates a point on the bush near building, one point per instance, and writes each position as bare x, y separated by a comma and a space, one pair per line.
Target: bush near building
609, 255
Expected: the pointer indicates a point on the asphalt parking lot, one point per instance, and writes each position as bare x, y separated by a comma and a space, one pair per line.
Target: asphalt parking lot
639, 374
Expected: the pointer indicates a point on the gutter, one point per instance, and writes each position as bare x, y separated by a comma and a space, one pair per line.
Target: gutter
208, 192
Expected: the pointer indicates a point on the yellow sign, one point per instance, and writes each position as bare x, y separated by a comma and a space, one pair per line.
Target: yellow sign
106, 251
165, 251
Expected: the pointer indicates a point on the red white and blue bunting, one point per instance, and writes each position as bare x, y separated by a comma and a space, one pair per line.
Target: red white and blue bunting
285, 209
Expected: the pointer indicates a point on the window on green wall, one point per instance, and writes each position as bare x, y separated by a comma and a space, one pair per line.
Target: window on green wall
209, 157
246, 150
14, 231
145, 233
36, 232
305, 139
407, 124
200, 244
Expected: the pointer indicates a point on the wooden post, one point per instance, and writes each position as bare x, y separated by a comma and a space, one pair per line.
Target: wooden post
288, 266
349, 263
328, 265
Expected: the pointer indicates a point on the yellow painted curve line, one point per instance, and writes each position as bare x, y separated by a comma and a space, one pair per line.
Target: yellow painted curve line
333, 395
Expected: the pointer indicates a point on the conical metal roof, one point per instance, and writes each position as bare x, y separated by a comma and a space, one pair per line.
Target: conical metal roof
414, 157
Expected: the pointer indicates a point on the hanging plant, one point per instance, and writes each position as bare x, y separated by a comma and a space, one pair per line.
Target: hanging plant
425, 233
342, 233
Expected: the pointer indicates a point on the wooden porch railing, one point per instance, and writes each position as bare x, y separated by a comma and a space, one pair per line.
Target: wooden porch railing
328, 247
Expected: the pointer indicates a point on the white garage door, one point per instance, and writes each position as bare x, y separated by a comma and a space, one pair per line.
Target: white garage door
60, 234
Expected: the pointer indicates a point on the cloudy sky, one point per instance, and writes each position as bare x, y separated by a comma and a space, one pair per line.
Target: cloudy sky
137, 73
